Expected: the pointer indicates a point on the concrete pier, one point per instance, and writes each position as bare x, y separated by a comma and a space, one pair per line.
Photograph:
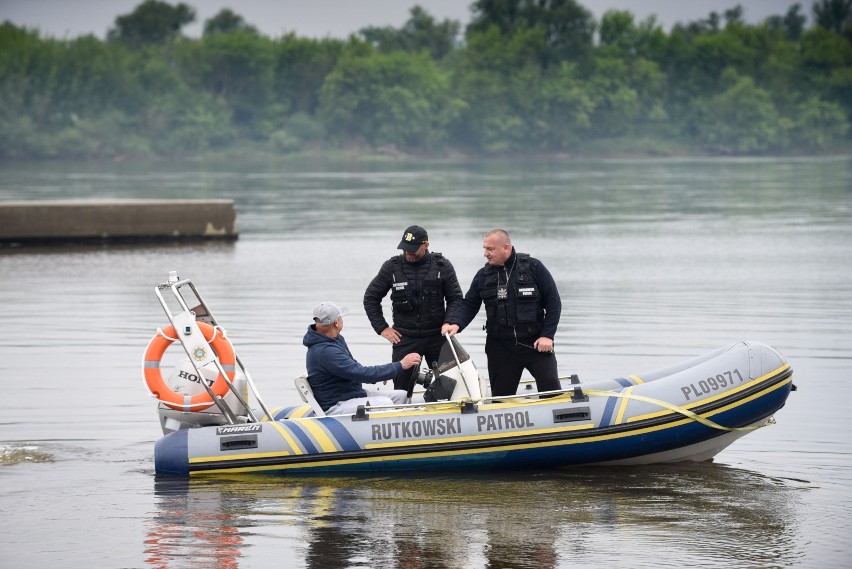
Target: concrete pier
30, 222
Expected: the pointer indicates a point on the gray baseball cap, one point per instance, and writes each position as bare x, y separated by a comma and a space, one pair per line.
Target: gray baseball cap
327, 313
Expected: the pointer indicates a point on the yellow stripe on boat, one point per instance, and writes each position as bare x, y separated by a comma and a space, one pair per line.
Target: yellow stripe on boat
300, 412
320, 435
238, 456
623, 405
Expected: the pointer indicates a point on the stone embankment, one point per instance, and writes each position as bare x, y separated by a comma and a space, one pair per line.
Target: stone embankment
40, 222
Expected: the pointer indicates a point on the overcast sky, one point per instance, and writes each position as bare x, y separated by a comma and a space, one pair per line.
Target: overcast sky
339, 18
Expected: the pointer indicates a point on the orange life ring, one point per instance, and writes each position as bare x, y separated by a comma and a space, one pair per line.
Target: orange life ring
177, 401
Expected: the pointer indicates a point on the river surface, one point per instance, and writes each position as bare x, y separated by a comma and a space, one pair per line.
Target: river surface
657, 260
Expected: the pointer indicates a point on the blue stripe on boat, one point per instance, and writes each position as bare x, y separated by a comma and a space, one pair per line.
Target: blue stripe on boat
339, 433
609, 409
304, 438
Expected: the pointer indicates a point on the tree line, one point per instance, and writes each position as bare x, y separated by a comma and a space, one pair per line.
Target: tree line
524, 76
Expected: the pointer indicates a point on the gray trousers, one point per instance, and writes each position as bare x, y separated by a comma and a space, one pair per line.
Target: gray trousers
378, 398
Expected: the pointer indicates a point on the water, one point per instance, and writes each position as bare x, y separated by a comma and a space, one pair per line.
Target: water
656, 260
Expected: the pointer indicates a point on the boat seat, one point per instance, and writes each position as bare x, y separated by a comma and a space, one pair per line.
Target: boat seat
307, 394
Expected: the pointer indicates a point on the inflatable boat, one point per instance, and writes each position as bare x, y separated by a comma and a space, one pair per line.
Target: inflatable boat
689, 411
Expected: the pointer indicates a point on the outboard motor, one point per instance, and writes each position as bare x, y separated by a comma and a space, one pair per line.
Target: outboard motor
184, 380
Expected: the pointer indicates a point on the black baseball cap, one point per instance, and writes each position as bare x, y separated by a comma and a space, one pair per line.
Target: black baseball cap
413, 238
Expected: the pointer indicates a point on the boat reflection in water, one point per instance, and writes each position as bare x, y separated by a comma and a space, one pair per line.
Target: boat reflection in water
704, 513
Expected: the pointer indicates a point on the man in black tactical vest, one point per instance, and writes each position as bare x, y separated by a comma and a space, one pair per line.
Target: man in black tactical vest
522, 309
424, 289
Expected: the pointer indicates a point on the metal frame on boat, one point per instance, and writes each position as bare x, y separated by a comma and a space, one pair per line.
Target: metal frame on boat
688, 411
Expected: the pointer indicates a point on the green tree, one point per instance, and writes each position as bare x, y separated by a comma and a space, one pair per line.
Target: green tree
734, 16
236, 69
227, 22
497, 77
566, 26
620, 36
24, 73
92, 78
819, 124
54, 94
834, 15
152, 22
301, 66
398, 99
742, 119
826, 66
528, 78
420, 32
709, 25
27, 74
170, 111
694, 64
563, 109
615, 29
617, 102
792, 24
780, 73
